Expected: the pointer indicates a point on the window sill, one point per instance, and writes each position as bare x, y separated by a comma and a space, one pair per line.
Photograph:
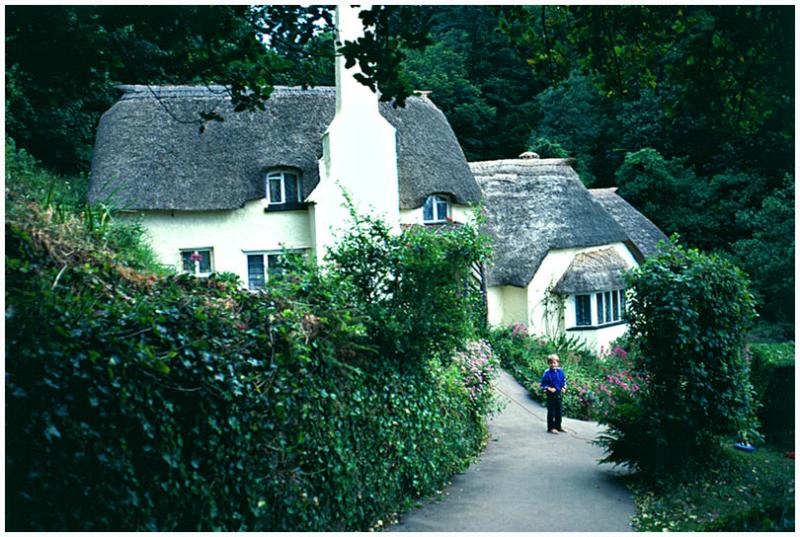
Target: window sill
595, 326
279, 207
203, 275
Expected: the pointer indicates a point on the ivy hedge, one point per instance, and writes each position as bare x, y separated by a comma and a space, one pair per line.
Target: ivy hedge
137, 402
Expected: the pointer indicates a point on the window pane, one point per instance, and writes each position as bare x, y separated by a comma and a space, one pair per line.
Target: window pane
196, 261
622, 301
255, 271
274, 184
583, 310
276, 264
205, 260
608, 307
599, 308
615, 307
441, 208
427, 210
290, 183
188, 264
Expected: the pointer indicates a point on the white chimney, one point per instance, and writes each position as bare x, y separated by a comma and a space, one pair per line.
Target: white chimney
359, 151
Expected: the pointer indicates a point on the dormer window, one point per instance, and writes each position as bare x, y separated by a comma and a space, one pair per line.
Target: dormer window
283, 187
436, 210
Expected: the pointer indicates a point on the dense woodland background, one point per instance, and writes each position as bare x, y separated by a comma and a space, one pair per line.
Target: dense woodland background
689, 110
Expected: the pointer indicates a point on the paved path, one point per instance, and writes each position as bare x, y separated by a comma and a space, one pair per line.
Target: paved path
529, 480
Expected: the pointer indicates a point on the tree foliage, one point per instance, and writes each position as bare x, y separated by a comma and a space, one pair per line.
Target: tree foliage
478, 80
689, 314
63, 62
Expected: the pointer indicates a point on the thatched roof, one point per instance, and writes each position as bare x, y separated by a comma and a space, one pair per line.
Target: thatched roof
536, 205
642, 232
598, 270
150, 153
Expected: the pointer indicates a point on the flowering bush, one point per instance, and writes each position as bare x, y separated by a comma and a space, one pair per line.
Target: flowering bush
614, 381
519, 330
596, 384
478, 368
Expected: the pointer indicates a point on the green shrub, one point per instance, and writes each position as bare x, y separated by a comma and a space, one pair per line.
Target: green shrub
136, 402
689, 314
412, 287
772, 370
66, 211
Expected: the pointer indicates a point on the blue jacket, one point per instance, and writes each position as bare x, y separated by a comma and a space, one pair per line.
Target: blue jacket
554, 378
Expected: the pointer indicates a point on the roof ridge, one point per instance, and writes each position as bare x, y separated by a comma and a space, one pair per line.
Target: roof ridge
523, 162
147, 91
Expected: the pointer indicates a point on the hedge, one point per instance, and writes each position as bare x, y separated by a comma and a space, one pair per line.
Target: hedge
137, 402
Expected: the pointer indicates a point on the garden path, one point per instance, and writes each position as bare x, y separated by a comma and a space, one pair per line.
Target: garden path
529, 480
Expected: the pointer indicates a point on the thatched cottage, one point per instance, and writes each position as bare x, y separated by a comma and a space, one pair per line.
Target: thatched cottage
559, 249
236, 195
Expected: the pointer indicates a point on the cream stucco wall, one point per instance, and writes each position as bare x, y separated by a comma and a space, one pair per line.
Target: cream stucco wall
507, 304
230, 234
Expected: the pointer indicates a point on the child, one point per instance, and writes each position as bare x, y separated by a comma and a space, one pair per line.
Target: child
554, 383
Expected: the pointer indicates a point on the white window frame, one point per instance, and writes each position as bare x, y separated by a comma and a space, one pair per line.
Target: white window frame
265, 262
615, 315
597, 318
437, 218
196, 271
282, 175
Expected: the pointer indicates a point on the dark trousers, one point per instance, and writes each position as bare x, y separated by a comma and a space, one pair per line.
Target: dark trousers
553, 410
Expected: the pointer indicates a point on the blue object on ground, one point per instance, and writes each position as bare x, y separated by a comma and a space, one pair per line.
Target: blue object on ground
744, 447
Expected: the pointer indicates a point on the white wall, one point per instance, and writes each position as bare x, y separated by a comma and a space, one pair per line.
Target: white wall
599, 339
229, 233
359, 152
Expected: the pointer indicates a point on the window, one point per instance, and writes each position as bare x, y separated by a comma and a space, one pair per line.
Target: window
261, 265
197, 261
610, 306
583, 310
283, 188
436, 210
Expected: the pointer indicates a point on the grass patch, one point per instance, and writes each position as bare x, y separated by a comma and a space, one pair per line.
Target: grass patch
744, 492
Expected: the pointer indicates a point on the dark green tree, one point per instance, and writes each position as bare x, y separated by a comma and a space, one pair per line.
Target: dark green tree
768, 255
492, 119
667, 191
